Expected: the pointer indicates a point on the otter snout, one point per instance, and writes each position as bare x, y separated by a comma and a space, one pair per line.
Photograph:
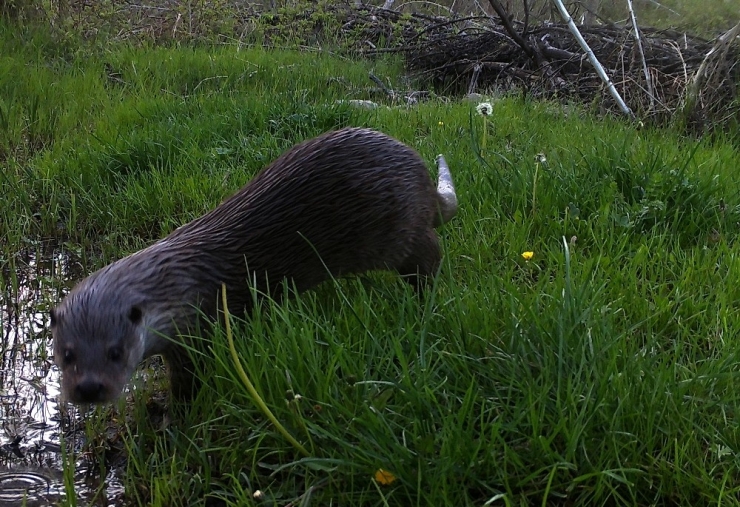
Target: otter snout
93, 387
91, 390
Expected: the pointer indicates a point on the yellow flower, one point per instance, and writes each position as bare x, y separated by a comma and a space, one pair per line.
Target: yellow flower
384, 477
527, 255
441, 124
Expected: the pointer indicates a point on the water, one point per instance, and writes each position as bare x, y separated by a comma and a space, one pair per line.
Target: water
19, 484
32, 421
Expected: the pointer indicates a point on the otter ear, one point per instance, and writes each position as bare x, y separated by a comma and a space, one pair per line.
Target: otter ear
134, 315
53, 316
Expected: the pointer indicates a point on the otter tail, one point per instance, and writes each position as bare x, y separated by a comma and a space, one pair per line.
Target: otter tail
446, 197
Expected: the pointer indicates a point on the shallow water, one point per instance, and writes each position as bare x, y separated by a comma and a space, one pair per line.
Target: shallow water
32, 421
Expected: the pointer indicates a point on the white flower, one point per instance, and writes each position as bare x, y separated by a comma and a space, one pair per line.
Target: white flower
484, 108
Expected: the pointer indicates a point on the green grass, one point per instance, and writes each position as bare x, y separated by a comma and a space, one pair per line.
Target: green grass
702, 18
601, 372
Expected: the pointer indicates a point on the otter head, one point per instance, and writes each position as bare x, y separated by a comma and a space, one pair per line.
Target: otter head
99, 337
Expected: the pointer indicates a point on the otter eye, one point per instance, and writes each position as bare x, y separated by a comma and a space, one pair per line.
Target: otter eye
69, 357
115, 354
134, 315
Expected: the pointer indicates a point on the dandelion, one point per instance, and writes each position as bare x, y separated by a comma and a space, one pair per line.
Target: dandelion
258, 495
441, 124
527, 255
539, 159
484, 109
384, 477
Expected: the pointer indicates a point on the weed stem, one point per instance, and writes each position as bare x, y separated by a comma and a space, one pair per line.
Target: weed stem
248, 384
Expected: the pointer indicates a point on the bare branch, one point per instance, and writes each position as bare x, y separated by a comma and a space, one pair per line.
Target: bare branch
506, 22
391, 94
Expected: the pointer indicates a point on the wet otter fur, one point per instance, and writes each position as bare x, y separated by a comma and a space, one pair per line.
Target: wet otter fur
348, 201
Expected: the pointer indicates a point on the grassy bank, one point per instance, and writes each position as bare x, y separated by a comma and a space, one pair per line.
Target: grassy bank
601, 371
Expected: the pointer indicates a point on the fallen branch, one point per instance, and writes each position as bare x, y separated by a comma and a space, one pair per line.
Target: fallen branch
375, 79
592, 58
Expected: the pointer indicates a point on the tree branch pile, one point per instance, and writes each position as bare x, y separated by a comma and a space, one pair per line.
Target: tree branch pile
546, 61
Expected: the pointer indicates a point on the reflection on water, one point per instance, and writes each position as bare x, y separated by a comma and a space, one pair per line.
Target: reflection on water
32, 422
35, 488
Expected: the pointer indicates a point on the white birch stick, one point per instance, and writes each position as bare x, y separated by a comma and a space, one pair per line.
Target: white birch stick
648, 80
592, 58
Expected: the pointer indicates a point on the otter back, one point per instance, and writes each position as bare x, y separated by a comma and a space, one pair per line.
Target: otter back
345, 202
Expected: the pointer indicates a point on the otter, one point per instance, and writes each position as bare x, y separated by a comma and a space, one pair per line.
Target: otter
346, 202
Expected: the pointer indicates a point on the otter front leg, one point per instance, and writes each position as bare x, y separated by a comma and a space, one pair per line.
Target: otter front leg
184, 379
423, 262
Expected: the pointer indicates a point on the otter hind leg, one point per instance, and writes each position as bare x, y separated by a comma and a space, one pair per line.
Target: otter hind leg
422, 264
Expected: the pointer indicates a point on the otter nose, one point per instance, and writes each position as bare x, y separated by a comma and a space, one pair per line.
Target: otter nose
89, 391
